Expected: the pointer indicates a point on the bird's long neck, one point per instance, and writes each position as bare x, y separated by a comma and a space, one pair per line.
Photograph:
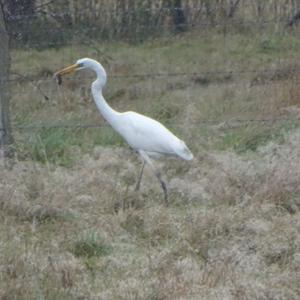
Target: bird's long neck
109, 114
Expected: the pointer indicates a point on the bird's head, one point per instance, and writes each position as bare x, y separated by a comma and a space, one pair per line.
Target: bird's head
83, 63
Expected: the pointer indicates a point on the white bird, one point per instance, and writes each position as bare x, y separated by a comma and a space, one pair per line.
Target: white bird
145, 135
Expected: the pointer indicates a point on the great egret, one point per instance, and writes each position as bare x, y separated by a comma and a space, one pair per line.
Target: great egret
145, 135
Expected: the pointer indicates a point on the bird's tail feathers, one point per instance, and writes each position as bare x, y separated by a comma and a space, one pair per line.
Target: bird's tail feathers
183, 151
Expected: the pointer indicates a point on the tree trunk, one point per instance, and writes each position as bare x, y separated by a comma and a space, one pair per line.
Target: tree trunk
232, 8
20, 7
294, 20
5, 132
178, 16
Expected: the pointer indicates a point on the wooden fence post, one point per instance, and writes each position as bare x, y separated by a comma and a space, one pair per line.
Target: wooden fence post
5, 131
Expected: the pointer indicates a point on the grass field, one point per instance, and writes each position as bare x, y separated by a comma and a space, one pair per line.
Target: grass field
71, 225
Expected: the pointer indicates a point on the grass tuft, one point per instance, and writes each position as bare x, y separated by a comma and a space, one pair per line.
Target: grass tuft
54, 145
91, 244
249, 138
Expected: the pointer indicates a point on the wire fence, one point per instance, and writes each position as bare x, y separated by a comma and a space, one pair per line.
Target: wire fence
263, 77
222, 125
272, 74
217, 124
264, 72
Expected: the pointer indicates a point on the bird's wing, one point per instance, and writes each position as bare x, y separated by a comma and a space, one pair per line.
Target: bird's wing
144, 133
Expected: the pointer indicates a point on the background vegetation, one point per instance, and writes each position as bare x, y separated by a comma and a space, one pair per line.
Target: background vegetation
136, 20
71, 225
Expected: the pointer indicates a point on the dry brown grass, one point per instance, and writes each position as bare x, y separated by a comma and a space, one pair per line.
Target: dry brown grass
243, 247
214, 248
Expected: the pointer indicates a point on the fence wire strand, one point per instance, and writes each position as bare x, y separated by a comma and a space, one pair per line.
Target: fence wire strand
216, 124
264, 72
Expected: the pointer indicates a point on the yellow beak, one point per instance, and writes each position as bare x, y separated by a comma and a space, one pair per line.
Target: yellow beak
67, 70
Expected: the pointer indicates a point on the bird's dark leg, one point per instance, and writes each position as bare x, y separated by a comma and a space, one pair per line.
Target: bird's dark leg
163, 185
147, 159
138, 184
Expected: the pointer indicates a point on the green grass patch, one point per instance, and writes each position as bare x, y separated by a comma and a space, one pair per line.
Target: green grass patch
50, 145
249, 138
105, 136
90, 245
270, 45
54, 145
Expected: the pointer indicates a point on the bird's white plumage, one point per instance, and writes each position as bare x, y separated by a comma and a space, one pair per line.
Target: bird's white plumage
139, 131
145, 135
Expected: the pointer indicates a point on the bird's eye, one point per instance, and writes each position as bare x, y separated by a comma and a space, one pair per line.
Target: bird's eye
80, 65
